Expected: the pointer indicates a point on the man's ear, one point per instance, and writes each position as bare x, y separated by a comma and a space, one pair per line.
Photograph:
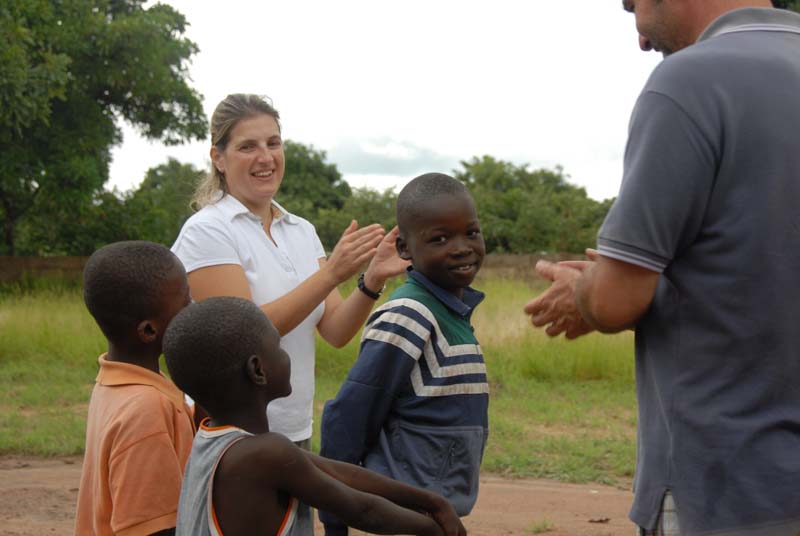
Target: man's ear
255, 371
147, 331
402, 248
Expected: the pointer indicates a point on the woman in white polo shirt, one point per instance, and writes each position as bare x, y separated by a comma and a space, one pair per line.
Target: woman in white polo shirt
242, 243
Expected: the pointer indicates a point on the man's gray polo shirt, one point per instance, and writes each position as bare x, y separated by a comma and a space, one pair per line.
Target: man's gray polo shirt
711, 198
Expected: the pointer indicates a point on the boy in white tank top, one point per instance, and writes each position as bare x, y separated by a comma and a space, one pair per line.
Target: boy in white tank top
242, 479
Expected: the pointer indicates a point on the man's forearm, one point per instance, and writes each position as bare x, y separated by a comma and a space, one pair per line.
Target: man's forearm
611, 295
584, 297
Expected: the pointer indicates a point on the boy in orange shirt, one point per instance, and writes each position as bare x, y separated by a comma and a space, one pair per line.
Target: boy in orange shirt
139, 431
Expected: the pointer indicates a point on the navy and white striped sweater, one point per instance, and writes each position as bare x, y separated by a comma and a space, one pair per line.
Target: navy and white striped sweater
414, 406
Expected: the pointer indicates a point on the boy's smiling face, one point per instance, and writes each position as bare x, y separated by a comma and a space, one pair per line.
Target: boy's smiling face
444, 242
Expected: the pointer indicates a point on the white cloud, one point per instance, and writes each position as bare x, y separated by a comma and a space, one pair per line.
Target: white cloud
386, 156
424, 84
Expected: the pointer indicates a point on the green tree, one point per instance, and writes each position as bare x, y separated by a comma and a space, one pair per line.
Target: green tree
160, 205
524, 211
365, 205
154, 211
310, 183
75, 68
56, 229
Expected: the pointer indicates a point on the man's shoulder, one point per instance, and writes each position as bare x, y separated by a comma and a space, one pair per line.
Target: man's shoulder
683, 71
702, 65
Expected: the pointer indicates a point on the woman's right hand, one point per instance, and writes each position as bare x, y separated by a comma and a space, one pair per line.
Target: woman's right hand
354, 249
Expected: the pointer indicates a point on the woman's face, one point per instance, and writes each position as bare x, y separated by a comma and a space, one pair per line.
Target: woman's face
253, 161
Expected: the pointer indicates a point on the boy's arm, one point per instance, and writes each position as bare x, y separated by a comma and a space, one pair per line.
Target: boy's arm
275, 463
352, 421
399, 493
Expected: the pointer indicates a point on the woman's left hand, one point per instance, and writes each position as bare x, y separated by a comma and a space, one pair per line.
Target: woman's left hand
386, 263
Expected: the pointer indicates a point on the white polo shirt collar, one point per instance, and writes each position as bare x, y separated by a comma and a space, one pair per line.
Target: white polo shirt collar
230, 207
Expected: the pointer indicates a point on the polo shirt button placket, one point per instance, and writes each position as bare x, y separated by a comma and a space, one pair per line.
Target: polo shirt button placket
286, 263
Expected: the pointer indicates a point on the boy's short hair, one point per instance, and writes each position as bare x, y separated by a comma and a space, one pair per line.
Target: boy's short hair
207, 345
122, 285
414, 197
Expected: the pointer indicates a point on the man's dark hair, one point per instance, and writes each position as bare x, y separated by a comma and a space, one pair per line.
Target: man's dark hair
415, 197
207, 345
122, 285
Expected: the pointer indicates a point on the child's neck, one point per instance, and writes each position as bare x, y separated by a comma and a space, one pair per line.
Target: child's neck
252, 419
139, 357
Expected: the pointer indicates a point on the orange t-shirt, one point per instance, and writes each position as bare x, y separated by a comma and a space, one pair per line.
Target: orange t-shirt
139, 434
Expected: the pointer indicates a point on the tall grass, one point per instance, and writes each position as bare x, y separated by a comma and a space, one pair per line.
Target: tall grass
558, 409
48, 360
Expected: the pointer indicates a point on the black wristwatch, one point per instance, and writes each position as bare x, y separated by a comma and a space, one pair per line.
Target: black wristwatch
363, 288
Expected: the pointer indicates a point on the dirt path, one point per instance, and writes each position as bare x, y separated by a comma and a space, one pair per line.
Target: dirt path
37, 497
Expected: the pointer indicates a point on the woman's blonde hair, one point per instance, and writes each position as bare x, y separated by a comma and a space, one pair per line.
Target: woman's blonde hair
226, 116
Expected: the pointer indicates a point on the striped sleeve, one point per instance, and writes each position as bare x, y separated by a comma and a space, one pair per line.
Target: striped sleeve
440, 368
351, 422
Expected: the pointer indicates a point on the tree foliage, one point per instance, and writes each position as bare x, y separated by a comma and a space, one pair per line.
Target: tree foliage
311, 184
521, 210
70, 70
365, 205
161, 203
154, 211
524, 211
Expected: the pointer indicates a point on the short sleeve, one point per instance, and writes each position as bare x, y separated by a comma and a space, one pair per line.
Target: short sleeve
145, 484
319, 250
203, 243
670, 167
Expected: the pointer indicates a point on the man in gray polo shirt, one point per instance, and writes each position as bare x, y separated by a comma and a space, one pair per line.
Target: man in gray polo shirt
701, 254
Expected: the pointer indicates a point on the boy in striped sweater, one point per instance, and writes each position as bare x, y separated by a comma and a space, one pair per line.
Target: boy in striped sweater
414, 406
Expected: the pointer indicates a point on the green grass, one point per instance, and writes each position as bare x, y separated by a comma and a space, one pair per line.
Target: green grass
561, 410
558, 409
540, 527
48, 360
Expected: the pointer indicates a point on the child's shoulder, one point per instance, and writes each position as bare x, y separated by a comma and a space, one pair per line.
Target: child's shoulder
260, 456
133, 403
414, 307
269, 447
128, 423
411, 290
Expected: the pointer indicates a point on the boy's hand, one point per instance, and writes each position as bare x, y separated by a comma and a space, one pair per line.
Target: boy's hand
444, 514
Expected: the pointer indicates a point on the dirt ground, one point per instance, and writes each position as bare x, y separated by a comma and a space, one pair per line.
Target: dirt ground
37, 497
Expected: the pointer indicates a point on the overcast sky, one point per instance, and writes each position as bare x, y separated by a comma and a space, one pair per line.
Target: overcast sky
391, 90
